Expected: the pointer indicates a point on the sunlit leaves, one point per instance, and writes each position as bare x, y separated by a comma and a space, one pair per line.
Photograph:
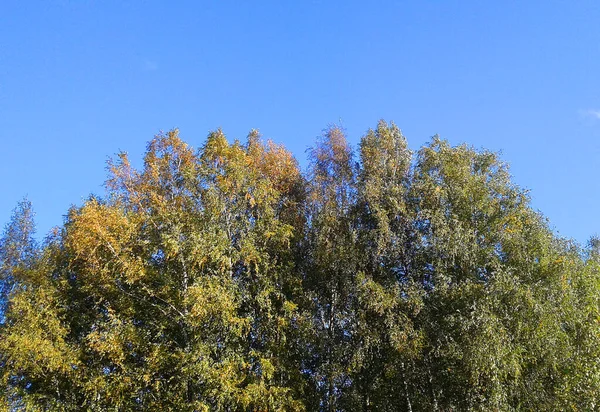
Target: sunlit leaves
223, 278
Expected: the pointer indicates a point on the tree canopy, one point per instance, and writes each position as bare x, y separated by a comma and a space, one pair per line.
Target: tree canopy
226, 279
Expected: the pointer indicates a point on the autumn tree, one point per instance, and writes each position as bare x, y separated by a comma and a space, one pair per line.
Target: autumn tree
171, 293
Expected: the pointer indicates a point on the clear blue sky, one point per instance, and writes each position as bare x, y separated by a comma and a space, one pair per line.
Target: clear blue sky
83, 79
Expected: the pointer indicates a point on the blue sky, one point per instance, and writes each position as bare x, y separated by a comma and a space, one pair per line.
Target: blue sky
82, 79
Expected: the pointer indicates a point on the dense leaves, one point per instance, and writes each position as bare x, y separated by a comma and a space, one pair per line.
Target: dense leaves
225, 279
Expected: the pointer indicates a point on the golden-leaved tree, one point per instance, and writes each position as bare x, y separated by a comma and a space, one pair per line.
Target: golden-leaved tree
173, 293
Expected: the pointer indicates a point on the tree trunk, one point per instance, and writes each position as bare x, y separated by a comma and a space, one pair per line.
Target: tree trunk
406, 394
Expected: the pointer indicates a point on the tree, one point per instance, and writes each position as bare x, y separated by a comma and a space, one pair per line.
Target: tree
388, 298
328, 264
18, 250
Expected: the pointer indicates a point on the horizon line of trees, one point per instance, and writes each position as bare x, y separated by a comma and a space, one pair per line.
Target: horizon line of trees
226, 279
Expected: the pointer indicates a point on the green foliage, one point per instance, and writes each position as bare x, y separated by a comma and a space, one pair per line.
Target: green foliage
225, 279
